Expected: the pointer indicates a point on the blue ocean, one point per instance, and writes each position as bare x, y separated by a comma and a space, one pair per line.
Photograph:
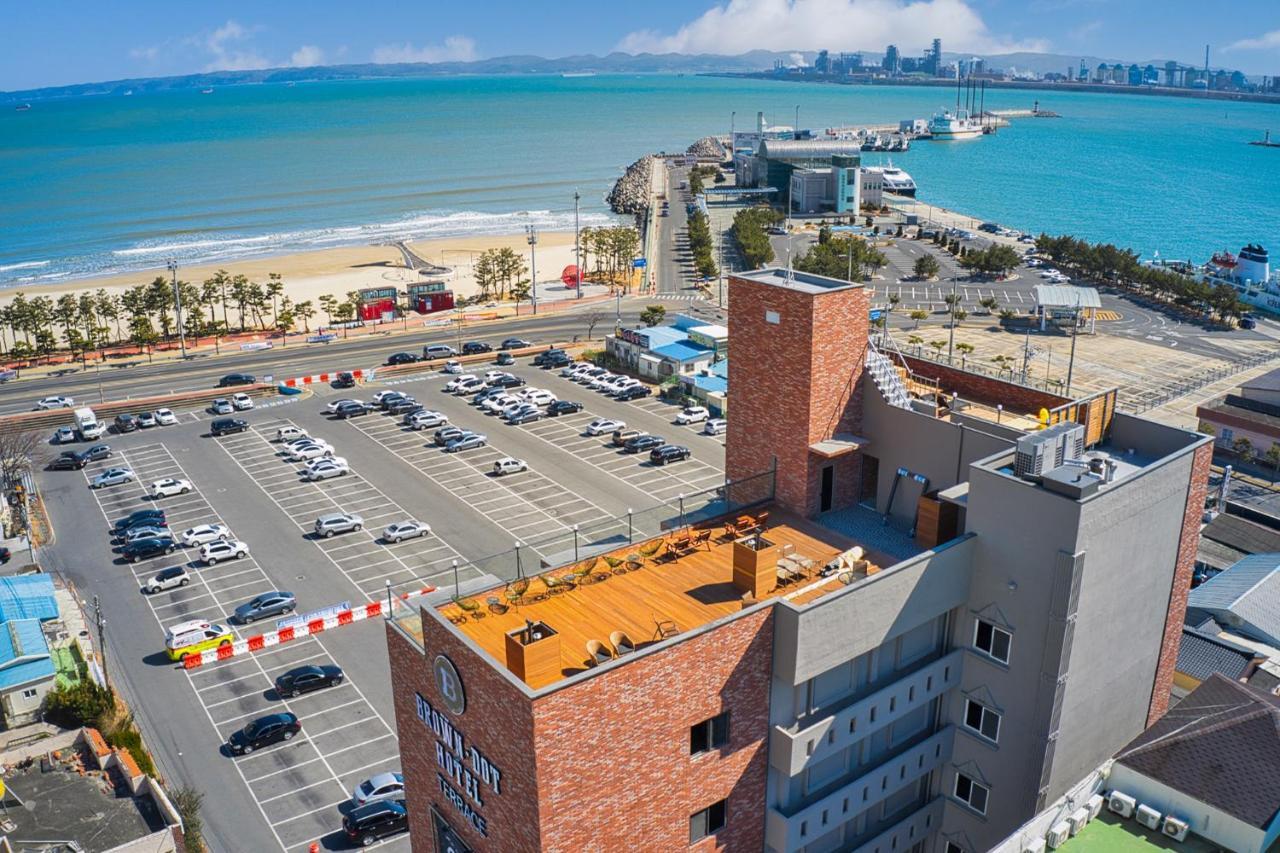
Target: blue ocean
100, 185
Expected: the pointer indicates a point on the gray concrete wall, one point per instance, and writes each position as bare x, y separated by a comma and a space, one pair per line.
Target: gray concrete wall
1152, 439
810, 640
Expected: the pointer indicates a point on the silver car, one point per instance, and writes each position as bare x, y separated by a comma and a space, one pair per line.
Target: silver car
398, 531
112, 477
338, 522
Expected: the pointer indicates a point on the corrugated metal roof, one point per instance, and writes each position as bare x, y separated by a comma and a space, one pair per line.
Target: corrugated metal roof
1245, 597
1067, 296
1242, 534
808, 149
24, 654
682, 351
27, 597
659, 336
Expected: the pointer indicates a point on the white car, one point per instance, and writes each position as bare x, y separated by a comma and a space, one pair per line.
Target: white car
407, 529
290, 433
54, 403
333, 407
303, 441
377, 398
715, 426
509, 465
470, 386
602, 380
621, 385
693, 415
425, 420
515, 406
242, 402
496, 404
586, 377
452, 384
170, 578
326, 468
221, 406
203, 534
309, 451
166, 417
452, 366
492, 376
539, 397
223, 549
602, 425
574, 369
170, 486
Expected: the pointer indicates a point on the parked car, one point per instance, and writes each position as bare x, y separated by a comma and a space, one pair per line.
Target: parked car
304, 679
157, 526
137, 517
384, 786
290, 433
514, 343
167, 487
554, 361
509, 465
438, 351
126, 423
112, 477
64, 435
693, 415
452, 385
97, 452
469, 386
543, 357
221, 406
385, 398
264, 731
498, 403
46, 403
537, 396
444, 435
505, 359
452, 366
399, 531
307, 452
144, 531
425, 419
170, 578
622, 435
338, 522
402, 406
241, 402
324, 469
633, 392
715, 426
668, 453
508, 380
223, 549
570, 369
305, 441
600, 426
346, 379
203, 534
351, 409
265, 605
468, 441
524, 416
600, 381
642, 443
145, 549
369, 824
475, 348
166, 417
227, 426
1248, 322
233, 379
69, 461
563, 407
401, 358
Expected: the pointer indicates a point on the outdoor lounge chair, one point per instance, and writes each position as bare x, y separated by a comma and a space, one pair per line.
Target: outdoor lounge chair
555, 586
598, 653
622, 643
702, 537
582, 574
515, 592
469, 608
650, 551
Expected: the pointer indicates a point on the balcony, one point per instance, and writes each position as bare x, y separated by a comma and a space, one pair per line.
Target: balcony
912, 829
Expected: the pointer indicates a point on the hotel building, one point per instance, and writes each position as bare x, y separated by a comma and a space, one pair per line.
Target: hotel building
925, 604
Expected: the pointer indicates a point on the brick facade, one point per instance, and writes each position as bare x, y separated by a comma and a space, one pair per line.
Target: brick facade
985, 389
603, 764
1187, 544
795, 382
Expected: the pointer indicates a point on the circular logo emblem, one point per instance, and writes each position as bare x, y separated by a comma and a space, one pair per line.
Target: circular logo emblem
449, 685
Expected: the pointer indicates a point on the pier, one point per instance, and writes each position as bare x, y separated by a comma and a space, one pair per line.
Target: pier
414, 262
1266, 141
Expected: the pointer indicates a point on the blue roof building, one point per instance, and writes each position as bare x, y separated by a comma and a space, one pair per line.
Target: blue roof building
683, 351
1245, 598
24, 654
686, 346
27, 597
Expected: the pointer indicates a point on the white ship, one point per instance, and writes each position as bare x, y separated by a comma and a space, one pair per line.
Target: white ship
1249, 272
897, 181
958, 125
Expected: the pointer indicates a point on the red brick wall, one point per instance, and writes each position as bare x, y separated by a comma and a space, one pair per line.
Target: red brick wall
498, 721
793, 383
985, 389
613, 751
1187, 543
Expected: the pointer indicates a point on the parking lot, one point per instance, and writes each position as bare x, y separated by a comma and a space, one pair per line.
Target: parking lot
294, 793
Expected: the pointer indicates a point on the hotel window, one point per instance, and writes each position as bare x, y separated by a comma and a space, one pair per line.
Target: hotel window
981, 719
971, 792
709, 734
992, 641
706, 822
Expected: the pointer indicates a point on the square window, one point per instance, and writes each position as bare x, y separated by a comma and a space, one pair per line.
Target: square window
707, 822
992, 641
971, 792
29, 693
709, 734
981, 719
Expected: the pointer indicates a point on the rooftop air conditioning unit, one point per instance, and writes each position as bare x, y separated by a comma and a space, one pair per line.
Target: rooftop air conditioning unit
1048, 449
1034, 846
1094, 805
1078, 819
1175, 828
1121, 803
1058, 835
1148, 817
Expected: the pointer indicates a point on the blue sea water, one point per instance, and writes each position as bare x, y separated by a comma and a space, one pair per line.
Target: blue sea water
100, 185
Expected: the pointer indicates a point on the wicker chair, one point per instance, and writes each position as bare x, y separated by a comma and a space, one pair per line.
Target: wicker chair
582, 574
598, 653
469, 608
615, 564
621, 643
554, 586
515, 592
650, 552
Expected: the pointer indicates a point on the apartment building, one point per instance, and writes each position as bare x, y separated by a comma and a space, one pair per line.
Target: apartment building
908, 621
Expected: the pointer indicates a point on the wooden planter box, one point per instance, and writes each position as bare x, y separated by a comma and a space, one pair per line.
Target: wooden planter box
755, 565
534, 660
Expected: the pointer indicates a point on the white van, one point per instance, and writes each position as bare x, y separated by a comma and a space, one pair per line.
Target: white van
88, 424
196, 635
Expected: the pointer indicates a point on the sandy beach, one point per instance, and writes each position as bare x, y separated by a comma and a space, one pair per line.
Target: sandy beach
308, 275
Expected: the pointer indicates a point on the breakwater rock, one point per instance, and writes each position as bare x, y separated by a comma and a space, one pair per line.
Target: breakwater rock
707, 147
631, 192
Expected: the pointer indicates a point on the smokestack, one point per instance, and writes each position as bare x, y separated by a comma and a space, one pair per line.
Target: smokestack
1206, 59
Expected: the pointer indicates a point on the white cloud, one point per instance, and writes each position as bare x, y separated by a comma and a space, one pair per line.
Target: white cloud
454, 49
307, 56
1267, 41
737, 26
146, 54
223, 46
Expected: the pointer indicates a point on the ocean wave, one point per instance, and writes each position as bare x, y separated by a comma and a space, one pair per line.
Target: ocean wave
25, 265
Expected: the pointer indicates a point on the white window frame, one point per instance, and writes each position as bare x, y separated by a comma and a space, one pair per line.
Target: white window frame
973, 783
977, 625
985, 711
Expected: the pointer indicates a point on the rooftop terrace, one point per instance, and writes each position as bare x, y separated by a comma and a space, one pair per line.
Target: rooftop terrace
656, 588
1111, 834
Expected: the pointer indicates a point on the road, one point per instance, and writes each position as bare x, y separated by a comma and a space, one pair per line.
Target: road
674, 262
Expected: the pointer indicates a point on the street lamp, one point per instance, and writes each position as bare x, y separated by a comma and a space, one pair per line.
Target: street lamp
456, 591
533, 266
795, 131
177, 304
951, 338
575, 543
577, 252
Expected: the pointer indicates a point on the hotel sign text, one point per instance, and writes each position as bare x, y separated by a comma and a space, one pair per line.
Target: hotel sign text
465, 774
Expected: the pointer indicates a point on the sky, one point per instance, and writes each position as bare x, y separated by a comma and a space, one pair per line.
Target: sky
76, 41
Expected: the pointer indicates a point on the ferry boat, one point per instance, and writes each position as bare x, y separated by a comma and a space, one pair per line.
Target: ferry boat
947, 125
897, 181
1249, 272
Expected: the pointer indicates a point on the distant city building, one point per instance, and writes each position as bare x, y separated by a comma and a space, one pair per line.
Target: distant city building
1101, 74
892, 60
1135, 75
822, 64
935, 57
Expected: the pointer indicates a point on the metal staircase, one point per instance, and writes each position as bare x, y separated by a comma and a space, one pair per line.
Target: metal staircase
885, 375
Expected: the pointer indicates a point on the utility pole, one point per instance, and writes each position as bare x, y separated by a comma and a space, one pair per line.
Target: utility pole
577, 252
177, 304
1071, 361
795, 131
533, 266
720, 297
733, 117
951, 338
102, 640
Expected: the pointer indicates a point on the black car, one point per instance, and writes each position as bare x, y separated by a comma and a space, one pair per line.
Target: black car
264, 731
387, 400
543, 357
404, 406
226, 426
123, 532
563, 407
401, 358
366, 824
98, 451
144, 549
668, 453
345, 379
352, 409
304, 679
507, 380
506, 359
233, 379
633, 393
68, 461
126, 423
475, 348
556, 361
515, 343
641, 443
481, 396
150, 516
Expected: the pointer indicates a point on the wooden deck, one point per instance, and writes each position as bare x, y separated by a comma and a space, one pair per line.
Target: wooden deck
689, 591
